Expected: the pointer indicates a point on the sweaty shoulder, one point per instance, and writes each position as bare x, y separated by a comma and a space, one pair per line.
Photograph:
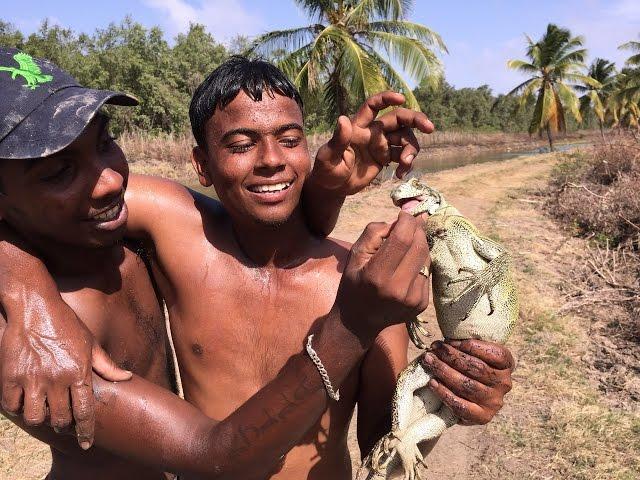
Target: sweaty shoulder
159, 207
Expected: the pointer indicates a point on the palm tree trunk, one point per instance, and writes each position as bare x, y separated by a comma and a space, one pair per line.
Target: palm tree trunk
601, 130
550, 137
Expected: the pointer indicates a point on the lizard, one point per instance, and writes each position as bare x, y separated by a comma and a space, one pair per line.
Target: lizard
474, 295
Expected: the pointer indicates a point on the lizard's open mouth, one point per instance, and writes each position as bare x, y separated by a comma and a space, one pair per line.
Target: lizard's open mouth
408, 204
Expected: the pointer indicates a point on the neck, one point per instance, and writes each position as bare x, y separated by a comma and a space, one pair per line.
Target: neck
71, 260
279, 246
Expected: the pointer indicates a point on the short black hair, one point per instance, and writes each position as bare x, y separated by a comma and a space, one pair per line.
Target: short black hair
218, 90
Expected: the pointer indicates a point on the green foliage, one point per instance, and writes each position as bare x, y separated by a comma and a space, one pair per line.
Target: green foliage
131, 58
471, 108
345, 55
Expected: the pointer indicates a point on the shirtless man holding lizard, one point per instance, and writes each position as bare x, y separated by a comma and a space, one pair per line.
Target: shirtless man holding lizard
210, 265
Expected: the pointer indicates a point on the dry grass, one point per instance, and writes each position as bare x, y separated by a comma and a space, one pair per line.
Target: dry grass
558, 422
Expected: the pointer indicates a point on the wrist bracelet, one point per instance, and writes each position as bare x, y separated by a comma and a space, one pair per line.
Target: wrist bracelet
333, 394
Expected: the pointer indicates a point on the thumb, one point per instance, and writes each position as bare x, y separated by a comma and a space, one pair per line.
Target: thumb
106, 368
332, 150
368, 244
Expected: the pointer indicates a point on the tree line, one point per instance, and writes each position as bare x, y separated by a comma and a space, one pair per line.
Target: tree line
130, 57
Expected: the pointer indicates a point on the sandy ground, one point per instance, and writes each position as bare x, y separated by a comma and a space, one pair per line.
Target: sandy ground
474, 190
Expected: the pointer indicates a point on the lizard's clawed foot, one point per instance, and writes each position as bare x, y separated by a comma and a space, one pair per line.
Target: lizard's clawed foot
392, 447
416, 332
411, 458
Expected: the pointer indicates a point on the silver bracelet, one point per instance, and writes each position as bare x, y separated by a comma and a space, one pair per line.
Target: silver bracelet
333, 394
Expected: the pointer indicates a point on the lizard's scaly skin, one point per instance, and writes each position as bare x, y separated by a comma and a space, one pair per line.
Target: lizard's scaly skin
474, 297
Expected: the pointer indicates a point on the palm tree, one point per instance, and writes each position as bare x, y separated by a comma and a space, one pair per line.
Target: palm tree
596, 98
631, 90
555, 60
623, 104
340, 55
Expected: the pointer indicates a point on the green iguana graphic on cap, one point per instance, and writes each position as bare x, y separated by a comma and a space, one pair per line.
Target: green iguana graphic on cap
27, 69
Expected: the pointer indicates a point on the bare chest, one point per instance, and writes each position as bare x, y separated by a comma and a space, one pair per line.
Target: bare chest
125, 316
251, 323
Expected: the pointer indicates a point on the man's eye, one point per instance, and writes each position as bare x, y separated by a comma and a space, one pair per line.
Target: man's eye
241, 148
291, 141
58, 175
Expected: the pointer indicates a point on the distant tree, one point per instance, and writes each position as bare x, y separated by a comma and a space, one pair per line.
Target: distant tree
595, 98
554, 61
470, 108
337, 57
195, 55
9, 36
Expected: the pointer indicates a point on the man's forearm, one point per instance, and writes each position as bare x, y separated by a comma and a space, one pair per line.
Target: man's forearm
20, 272
321, 207
146, 423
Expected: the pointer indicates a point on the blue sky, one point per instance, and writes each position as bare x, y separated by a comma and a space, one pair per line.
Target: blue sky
480, 35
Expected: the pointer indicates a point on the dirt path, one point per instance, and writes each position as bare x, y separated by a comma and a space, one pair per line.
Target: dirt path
477, 191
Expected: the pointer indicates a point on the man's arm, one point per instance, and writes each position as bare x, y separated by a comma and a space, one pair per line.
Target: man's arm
380, 284
48, 363
378, 377
146, 423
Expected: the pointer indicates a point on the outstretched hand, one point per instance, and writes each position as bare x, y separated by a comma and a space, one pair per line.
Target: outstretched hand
362, 146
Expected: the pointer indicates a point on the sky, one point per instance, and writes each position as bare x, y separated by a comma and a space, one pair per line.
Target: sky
480, 35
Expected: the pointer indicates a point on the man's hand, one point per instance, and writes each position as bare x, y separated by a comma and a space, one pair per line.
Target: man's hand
381, 284
46, 361
471, 377
362, 146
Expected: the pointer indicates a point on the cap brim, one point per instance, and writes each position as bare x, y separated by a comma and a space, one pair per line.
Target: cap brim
56, 123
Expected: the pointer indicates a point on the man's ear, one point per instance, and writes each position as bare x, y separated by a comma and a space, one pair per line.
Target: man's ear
199, 158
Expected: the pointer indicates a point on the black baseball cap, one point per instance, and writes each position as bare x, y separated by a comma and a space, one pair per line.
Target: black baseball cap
43, 109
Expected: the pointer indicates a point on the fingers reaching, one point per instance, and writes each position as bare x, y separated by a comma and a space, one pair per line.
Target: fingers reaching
374, 104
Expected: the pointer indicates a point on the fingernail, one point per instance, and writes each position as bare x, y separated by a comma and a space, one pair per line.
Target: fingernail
455, 343
428, 359
432, 383
57, 429
409, 158
11, 414
85, 445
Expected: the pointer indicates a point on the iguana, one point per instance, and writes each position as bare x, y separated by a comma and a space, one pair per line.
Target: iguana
474, 297
27, 69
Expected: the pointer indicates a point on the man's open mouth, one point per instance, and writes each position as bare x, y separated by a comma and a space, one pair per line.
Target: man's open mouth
272, 188
109, 214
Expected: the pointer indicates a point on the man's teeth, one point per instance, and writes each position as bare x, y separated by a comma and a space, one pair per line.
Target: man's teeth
110, 214
270, 188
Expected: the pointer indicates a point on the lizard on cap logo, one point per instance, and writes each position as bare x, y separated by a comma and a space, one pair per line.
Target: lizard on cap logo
28, 69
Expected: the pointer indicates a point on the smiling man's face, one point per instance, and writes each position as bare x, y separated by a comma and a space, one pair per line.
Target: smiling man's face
74, 197
257, 158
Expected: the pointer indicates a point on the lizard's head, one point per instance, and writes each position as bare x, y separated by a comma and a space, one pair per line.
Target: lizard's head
416, 197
